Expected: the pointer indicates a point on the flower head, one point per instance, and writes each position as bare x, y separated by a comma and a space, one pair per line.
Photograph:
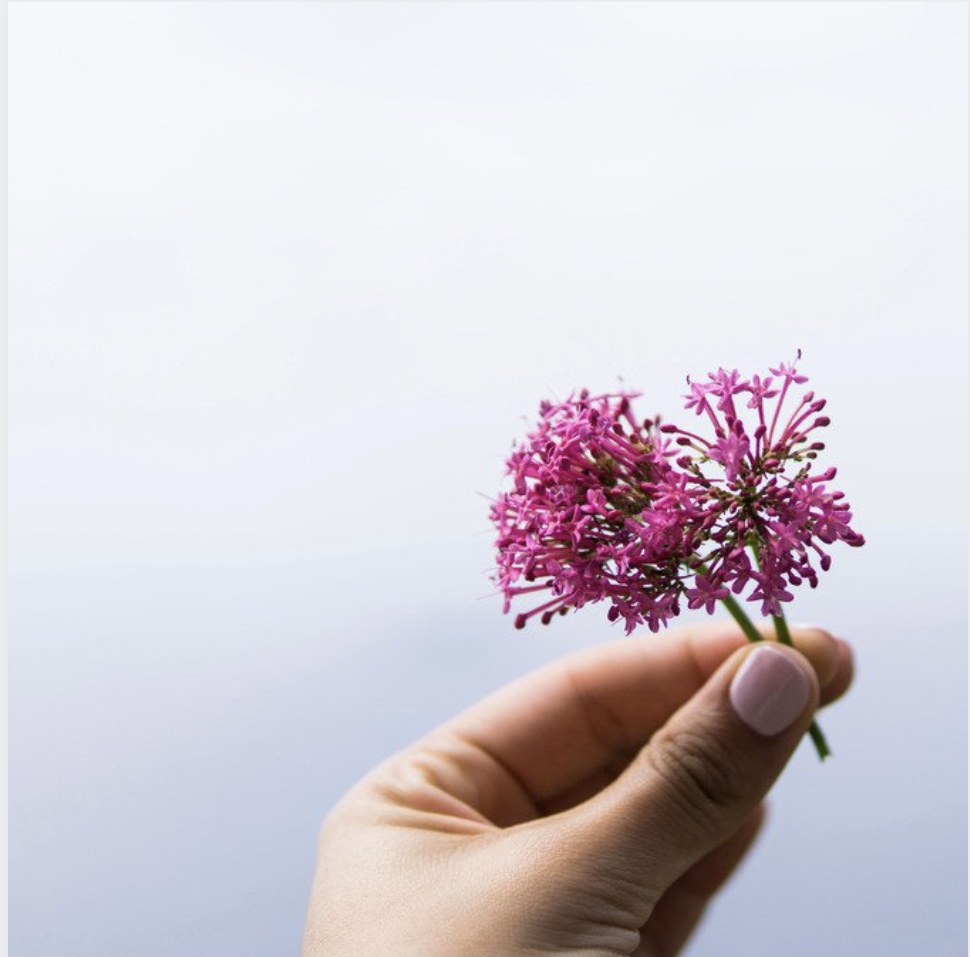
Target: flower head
578, 525
606, 507
755, 477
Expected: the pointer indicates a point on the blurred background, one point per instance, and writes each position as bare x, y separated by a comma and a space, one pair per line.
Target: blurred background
286, 282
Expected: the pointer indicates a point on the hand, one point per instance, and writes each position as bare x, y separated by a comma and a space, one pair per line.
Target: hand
592, 807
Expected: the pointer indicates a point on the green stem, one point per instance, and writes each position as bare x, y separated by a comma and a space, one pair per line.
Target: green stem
818, 739
814, 731
744, 622
784, 637
781, 630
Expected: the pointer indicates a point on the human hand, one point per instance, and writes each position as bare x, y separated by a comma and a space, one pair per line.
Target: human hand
592, 807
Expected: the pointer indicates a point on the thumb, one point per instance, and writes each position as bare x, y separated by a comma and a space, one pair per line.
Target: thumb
703, 774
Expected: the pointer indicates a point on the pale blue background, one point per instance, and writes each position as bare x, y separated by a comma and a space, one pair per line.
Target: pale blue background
285, 281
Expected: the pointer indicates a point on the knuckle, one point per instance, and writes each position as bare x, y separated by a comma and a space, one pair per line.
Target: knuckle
701, 776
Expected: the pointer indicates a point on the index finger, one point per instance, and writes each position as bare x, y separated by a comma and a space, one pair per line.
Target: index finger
553, 729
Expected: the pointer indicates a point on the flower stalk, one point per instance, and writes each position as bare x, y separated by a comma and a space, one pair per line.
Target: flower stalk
784, 637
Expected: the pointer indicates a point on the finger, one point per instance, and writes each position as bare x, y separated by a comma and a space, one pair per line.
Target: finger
588, 714
842, 673
700, 777
677, 913
832, 661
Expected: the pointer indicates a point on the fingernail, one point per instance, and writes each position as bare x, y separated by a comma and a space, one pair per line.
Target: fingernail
769, 691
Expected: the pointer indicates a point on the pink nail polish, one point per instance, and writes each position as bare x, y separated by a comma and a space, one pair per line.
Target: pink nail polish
769, 691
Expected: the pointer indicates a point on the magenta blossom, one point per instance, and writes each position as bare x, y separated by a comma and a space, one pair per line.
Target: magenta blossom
578, 525
605, 508
755, 479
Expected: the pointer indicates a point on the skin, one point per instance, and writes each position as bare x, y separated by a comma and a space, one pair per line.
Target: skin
591, 807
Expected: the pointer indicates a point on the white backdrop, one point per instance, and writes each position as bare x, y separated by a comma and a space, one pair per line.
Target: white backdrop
286, 280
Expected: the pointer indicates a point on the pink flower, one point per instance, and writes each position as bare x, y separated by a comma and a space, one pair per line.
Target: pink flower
578, 525
605, 507
706, 593
730, 451
756, 483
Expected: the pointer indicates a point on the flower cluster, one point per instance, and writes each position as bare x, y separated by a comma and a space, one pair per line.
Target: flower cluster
575, 523
606, 507
768, 514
